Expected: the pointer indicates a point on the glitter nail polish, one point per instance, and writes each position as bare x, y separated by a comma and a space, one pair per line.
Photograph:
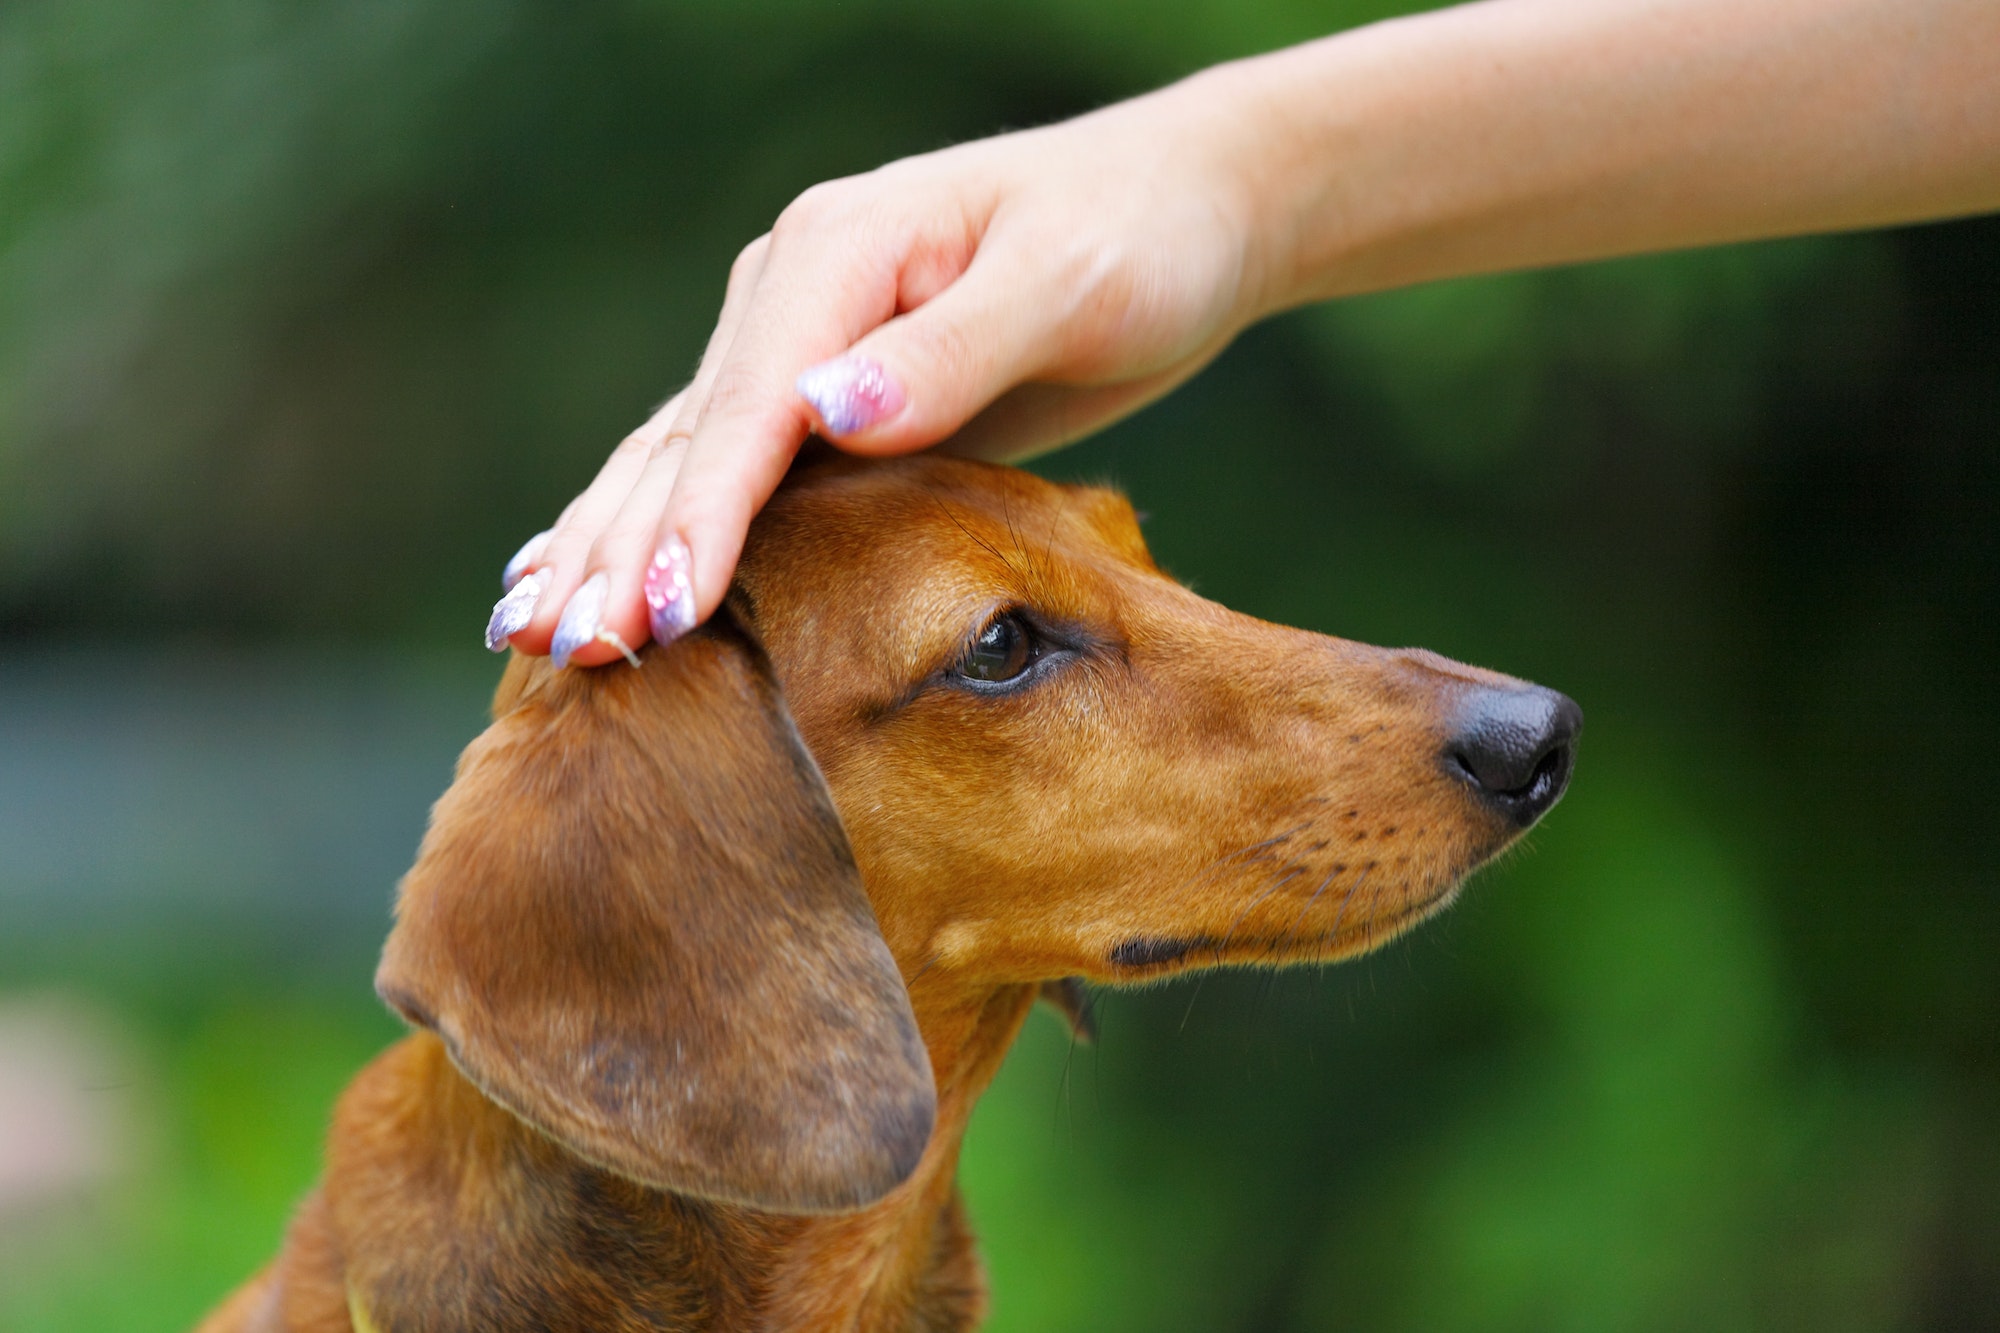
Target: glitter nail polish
670, 591
530, 552
850, 393
512, 612
580, 619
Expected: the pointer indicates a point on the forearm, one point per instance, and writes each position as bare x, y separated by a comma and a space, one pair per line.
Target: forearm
1014, 293
1520, 133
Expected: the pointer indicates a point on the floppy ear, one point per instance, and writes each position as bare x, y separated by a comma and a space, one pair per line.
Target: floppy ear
636, 923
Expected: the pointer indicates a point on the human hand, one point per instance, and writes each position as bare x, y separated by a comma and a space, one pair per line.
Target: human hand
1014, 293
1018, 292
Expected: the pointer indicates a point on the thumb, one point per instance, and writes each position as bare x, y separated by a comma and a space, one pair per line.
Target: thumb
917, 378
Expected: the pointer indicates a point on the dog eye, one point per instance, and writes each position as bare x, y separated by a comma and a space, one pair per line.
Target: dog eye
1003, 650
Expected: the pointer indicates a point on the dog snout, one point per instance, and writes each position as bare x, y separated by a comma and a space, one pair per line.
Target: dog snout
1515, 746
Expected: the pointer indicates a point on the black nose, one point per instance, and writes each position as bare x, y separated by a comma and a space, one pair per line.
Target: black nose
1516, 747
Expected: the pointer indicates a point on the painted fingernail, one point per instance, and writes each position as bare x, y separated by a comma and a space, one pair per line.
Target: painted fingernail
850, 393
579, 623
512, 612
524, 559
670, 591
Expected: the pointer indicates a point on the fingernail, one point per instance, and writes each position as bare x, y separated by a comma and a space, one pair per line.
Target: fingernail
579, 623
670, 591
850, 393
531, 551
512, 612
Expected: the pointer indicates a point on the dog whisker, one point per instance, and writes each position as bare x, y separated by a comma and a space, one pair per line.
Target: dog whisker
1285, 940
1199, 981
1368, 922
1055, 521
1345, 899
970, 535
1249, 850
1251, 906
1007, 517
1064, 1092
1290, 938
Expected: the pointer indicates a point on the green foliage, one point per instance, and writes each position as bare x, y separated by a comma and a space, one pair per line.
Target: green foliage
308, 314
235, 1084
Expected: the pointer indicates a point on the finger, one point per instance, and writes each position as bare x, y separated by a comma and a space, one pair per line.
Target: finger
919, 377
525, 559
815, 297
1033, 419
624, 549
529, 619
744, 275
621, 557
819, 288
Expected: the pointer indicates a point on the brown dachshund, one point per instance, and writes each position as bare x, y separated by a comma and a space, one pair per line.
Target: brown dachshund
710, 960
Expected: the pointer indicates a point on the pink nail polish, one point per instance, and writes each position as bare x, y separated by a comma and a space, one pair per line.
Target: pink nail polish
670, 591
850, 393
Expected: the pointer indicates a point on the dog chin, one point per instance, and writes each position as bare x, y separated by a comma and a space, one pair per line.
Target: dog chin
1374, 931
1145, 959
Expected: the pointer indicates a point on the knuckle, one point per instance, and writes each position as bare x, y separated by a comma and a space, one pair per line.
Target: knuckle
569, 546
619, 546
673, 449
818, 206
705, 511
674, 445
749, 260
735, 392
953, 354
640, 444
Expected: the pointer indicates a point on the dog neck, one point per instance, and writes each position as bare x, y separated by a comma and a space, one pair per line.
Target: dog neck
411, 1132
910, 1254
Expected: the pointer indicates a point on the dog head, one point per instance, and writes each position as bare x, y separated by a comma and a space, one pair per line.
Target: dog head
953, 726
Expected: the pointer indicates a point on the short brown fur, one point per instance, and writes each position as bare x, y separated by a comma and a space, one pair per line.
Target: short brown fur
668, 1074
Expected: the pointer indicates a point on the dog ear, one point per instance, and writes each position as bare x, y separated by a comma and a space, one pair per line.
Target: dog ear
636, 923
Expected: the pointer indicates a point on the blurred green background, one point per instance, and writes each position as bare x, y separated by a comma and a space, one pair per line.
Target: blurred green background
310, 313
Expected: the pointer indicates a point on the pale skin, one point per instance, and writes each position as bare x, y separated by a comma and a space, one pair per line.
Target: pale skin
1023, 291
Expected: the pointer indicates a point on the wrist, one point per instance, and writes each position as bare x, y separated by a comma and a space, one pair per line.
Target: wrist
1300, 147
1244, 169
1332, 161
1520, 133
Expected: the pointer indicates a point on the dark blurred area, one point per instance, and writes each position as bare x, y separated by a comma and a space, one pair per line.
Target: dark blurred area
310, 314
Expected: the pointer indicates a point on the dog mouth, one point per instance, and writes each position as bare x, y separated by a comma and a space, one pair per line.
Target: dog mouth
1150, 956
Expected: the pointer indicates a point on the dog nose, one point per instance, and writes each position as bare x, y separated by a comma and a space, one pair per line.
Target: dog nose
1516, 747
